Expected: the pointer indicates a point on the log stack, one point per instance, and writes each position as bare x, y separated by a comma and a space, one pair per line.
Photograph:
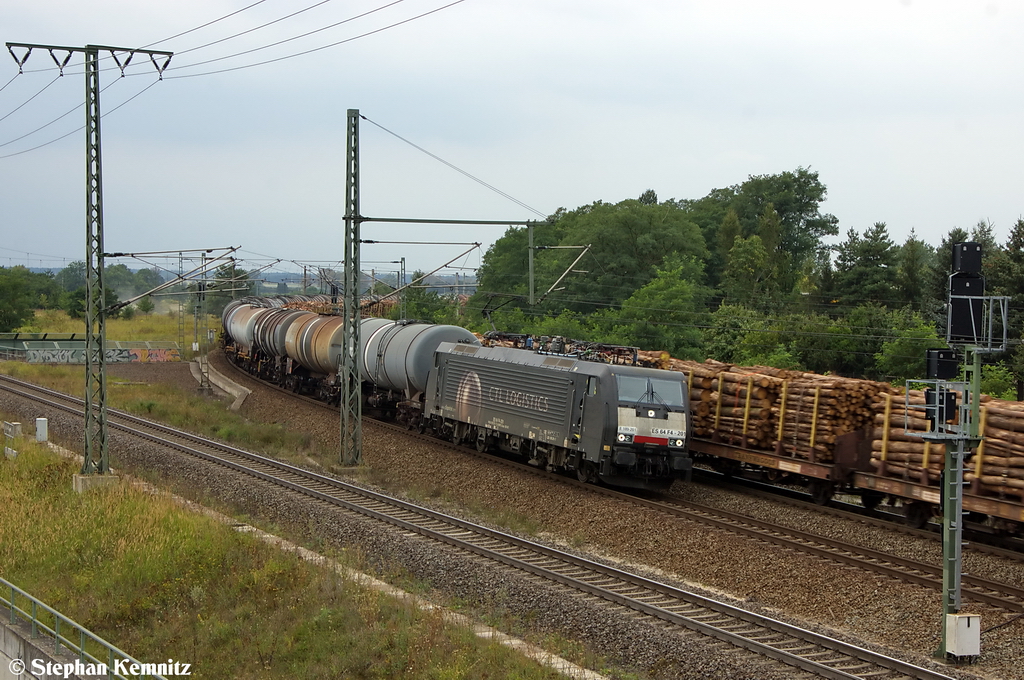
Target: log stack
897, 449
800, 414
998, 465
995, 469
814, 410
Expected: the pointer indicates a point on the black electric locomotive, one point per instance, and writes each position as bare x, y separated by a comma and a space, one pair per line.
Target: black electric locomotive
623, 425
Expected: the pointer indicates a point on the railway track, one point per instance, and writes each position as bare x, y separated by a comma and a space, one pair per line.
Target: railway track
1005, 596
671, 607
979, 541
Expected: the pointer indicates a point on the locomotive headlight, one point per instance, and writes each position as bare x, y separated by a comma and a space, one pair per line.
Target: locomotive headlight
677, 442
622, 437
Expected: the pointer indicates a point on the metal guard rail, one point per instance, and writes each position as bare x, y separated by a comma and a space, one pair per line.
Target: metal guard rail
115, 657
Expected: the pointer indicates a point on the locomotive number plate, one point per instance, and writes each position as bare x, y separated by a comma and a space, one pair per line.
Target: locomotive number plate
667, 433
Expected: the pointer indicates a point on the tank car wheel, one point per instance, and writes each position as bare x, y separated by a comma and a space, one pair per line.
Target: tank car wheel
821, 491
481, 443
917, 514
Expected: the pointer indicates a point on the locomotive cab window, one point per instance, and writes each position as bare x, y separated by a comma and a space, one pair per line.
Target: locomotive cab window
641, 389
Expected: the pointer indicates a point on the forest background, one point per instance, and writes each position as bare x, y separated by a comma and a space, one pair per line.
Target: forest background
744, 275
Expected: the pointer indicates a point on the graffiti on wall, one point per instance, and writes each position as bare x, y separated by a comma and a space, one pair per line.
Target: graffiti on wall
134, 355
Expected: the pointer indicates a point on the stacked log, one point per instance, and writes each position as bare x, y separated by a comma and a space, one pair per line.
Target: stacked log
815, 410
897, 449
731, 403
996, 467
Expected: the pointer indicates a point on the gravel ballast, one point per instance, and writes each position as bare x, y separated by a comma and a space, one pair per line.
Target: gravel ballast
863, 608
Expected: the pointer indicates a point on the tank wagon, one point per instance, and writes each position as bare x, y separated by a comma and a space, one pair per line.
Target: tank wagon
624, 425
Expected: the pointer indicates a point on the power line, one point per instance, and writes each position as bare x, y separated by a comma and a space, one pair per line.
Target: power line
208, 23
18, 108
79, 129
309, 51
9, 82
271, 23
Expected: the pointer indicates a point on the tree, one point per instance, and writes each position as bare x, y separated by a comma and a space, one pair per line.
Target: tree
72, 277
229, 282
629, 240
853, 341
912, 266
745, 270
728, 233
146, 280
662, 315
145, 305
120, 279
732, 326
866, 267
796, 197
15, 298
649, 197
903, 354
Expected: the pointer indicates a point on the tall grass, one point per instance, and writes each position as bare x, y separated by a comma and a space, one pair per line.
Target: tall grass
142, 327
160, 582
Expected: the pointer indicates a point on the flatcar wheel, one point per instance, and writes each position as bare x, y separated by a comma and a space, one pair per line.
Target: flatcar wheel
871, 499
917, 514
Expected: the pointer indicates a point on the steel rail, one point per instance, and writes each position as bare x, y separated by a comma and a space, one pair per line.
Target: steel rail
797, 647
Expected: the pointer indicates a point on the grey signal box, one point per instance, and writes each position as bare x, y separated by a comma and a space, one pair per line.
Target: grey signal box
967, 258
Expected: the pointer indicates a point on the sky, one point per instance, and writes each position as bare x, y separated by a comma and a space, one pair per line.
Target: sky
908, 110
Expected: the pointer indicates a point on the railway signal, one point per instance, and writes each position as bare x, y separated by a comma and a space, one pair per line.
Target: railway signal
973, 321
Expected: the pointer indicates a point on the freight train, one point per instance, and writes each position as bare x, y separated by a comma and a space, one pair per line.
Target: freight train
614, 422
620, 424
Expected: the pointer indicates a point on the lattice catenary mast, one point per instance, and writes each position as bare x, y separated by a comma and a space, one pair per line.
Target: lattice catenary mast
96, 460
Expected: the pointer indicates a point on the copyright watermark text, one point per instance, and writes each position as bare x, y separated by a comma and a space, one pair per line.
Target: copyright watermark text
121, 667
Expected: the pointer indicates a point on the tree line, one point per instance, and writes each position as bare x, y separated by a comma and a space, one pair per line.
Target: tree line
22, 291
746, 274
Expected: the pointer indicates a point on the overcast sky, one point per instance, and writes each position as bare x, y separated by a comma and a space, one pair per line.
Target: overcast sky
910, 111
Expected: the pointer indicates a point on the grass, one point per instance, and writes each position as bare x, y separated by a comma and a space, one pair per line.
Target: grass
167, 404
142, 327
160, 582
